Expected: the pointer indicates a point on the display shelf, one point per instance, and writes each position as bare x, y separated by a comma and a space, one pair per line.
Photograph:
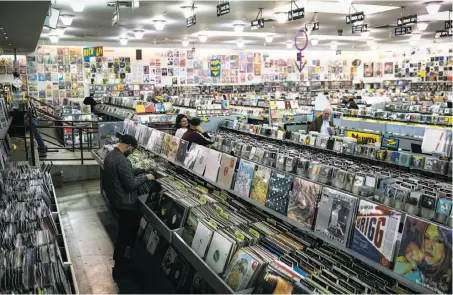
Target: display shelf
155, 221
401, 122
5, 129
297, 225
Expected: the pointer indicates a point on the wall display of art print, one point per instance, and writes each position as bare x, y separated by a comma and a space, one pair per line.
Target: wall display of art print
260, 184
303, 202
376, 232
335, 215
425, 254
388, 68
368, 69
244, 178
377, 69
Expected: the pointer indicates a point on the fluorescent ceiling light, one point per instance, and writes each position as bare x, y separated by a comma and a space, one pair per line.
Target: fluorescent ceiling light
124, 41
422, 26
289, 44
203, 38
413, 43
239, 27
433, 7
54, 38
334, 45
187, 10
269, 39
185, 42
366, 34
231, 34
416, 37
282, 17
370, 42
66, 19
314, 42
78, 5
374, 46
59, 31
139, 34
240, 44
159, 24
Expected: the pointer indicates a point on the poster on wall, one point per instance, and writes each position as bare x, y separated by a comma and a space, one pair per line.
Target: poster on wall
377, 69
388, 68
368, 69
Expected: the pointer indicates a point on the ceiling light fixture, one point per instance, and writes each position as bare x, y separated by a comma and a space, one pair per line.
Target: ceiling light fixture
374, 46
124, 41
203, 38
416, 37
370, 42
239, 27
333, 45
422, 26
282, 17
433, 7
366, 34
269, 39
67, 19
185, 42
159, 24
187, 10
289, 44
240, 44
54, 38
139, 33
314, 42
78, 5
60, 31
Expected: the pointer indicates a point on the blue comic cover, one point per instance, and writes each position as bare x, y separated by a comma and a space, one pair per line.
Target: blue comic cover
244, 178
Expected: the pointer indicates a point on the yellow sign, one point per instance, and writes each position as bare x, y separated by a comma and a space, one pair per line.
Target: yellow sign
139, 108
254, 233
215, 66
239, 235
203, 200
213, 223
223, 214
364, 138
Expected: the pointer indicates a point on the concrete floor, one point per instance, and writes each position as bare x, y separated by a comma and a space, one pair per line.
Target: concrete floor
91, 229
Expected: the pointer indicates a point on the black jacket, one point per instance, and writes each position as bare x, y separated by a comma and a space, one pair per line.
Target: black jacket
119, 181
194, 136
316, 124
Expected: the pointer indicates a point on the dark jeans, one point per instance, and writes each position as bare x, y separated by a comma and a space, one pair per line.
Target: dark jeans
128, 223
37, 135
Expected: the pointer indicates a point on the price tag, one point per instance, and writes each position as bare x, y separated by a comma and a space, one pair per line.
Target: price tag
224, 215
239, 235
196, 214
272, 221
254, 233
220, 210
224, 203
171, 177
202, 188
213, 223
217, 193
162, 212
203, 200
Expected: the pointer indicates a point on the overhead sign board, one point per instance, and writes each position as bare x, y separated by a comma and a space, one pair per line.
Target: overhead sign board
406, 20
115, 18
223, 8
135, 4
443, 34
215, 67
294, 14
401, 31
448, 24
257, 24
191, 21
315, 26
359, 28
356, 17
92, 52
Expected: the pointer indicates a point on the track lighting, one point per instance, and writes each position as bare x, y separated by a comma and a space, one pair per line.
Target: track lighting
78, 5
203, 38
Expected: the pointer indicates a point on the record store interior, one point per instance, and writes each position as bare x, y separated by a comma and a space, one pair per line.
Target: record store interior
226, 147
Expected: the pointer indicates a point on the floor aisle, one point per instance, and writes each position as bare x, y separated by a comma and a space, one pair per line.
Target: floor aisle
91, 229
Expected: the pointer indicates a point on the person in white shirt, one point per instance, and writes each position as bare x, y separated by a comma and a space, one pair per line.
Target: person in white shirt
322, 123
181, 125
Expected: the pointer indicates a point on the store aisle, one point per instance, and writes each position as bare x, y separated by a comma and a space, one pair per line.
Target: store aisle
89, 226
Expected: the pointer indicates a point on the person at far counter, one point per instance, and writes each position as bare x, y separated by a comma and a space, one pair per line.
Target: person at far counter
322, 123
196, 134
352, 104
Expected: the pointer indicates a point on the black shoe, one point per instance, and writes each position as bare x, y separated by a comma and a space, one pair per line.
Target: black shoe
42, 154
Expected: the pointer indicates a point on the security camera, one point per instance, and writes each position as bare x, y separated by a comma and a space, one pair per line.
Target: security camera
340, 32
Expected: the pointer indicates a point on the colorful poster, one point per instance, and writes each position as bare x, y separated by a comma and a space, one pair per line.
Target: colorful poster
215, 67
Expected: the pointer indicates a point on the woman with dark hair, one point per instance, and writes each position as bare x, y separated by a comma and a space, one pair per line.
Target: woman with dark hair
181, 125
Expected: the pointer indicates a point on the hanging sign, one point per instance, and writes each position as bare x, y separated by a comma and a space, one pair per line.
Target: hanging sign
215, 67
92, 52
135, 4
448, 24
315, 26
356, 17
223, 8
443, 34
115, 18
295, 14
406, 20
401, 31
359, 28
257, 24
191, 21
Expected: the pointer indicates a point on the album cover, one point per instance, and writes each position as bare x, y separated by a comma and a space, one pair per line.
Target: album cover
152, 243
192, 155
273, 282
158, 143
303, 202
417, 161
199, 285
335, 215
219, 252
212, 168
279, 192
244, 178
425, 254
173, 149
241, 270
404, 159
182, 151
226, 171
165, 145
202, 239
260, 184
376, 232
168, 260
201, 161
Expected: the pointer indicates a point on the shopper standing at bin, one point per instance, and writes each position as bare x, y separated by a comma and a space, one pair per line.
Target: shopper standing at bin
196, 134
322, 123
181, 125
120, 183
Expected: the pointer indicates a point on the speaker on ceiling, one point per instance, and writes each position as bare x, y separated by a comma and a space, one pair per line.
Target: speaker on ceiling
138, 54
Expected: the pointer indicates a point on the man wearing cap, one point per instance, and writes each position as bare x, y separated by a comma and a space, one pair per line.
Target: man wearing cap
120, 183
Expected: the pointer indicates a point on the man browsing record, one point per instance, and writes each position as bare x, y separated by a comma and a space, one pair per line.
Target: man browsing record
323, 124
